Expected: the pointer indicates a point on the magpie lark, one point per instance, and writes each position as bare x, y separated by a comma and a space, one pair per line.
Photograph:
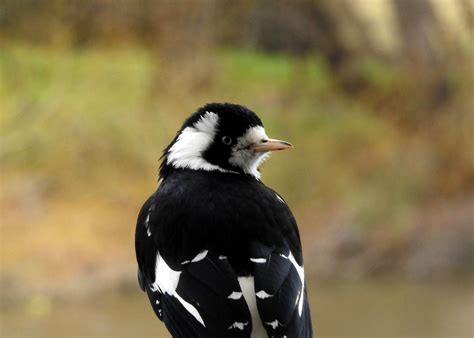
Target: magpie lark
219, 253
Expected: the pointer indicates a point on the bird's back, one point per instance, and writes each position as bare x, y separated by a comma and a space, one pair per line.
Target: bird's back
201, 236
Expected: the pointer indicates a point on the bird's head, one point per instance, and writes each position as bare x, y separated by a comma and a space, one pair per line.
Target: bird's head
220, 136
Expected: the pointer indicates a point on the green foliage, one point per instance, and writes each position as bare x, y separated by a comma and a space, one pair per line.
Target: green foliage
72, 110
78, 117
377, 73
247, 67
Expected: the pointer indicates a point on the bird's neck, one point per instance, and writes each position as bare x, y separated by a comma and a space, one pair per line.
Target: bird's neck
166, 170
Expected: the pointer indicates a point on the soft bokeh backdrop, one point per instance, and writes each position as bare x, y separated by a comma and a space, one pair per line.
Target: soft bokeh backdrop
375, 95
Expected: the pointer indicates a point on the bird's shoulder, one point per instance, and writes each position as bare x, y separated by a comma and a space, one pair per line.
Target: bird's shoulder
205, 196
211, 184
196, 210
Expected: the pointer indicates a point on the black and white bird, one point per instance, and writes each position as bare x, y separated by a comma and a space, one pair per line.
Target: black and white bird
219, 253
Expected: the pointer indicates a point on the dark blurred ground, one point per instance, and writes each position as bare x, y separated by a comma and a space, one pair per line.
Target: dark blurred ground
375, 95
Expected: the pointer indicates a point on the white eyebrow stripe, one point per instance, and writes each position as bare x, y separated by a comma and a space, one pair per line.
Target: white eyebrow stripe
186, 152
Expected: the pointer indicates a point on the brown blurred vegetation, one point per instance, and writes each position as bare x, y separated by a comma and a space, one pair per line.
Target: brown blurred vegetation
376, 96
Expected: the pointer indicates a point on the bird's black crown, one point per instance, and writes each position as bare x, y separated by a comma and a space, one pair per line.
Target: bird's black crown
231, 116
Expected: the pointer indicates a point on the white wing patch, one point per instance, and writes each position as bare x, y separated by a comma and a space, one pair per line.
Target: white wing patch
147, 225
248, 291
238, 325
235, 295
190, 308
262, 294
300, 271
167, 280
274, 324
200, 256
258, 260
279, 198
147, 220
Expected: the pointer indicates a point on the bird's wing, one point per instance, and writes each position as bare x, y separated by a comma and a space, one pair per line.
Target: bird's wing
200, 297
145, 249
280, 291
203, 299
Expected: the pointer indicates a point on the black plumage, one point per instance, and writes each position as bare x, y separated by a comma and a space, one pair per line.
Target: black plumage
213, 227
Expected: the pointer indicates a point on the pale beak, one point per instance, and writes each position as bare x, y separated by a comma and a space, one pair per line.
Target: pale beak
270, 145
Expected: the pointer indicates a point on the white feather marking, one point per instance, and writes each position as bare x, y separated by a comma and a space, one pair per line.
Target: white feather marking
258, 260
190, 308
222, 257
200, 256
147, 221
167, 280
238, 325
279, 198
185, 262
154, 288
297, 297
274, 324
235, 295
300, 270
208, 122
248, 291
247, 159
187, 151
262, 294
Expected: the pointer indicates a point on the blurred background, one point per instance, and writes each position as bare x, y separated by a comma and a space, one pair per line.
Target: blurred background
375, 95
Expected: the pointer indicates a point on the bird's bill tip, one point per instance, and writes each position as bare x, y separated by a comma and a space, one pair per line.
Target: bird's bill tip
270, 145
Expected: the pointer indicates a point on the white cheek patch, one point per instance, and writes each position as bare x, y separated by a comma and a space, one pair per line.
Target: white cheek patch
246, 159
187, 151
192, 142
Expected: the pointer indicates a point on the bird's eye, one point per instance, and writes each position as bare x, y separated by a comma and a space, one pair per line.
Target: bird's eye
226, 140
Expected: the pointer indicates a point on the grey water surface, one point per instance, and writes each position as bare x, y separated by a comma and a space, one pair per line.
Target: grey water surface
349, 309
